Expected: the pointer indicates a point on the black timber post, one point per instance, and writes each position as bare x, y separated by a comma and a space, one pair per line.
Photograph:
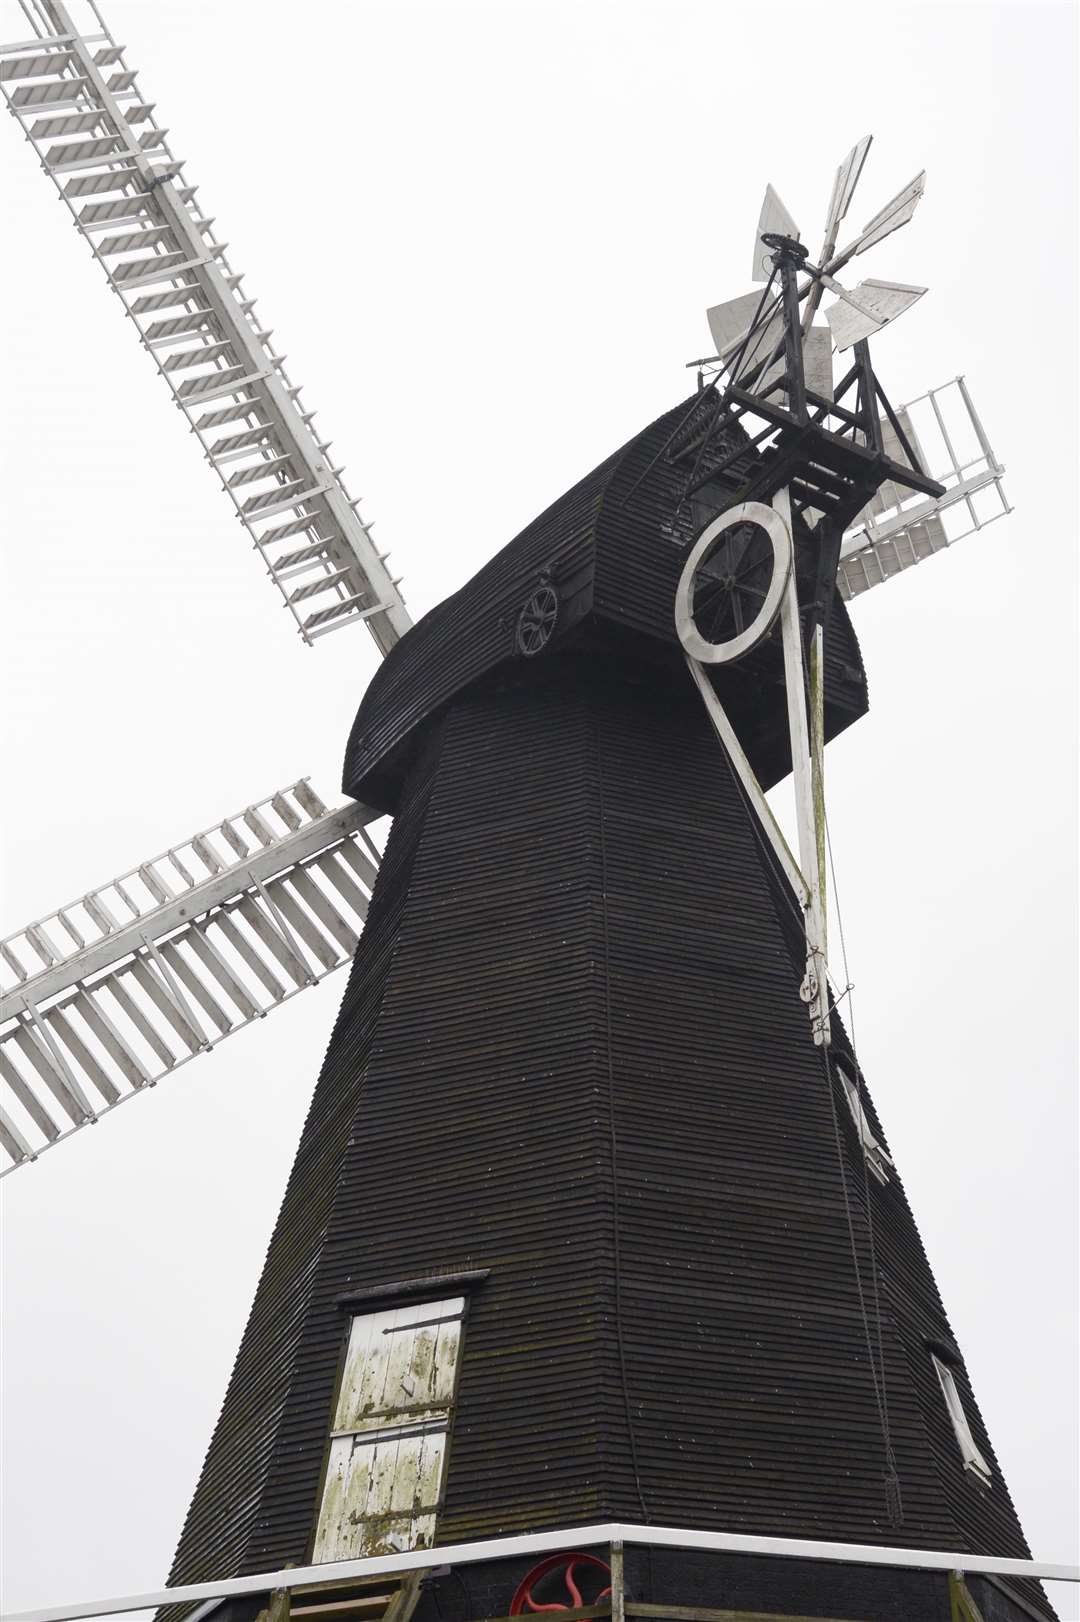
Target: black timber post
789, 255
867, 407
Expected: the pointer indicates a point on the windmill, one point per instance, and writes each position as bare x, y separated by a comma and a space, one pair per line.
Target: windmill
250, 892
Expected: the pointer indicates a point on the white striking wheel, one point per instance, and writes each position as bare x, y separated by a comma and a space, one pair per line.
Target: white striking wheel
730, 591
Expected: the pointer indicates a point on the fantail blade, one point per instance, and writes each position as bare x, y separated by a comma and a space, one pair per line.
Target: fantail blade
747, 331
817, 361
865, 311
847, 178
897, 212
775, 219
729, 322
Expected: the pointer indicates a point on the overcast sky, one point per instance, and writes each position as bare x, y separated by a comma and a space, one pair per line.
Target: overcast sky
485, 235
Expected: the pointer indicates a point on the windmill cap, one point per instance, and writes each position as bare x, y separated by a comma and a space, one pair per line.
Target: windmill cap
593, 577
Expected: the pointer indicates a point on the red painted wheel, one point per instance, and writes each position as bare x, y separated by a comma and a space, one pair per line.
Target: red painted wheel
566, 1564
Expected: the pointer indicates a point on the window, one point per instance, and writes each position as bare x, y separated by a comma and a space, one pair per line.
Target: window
973, 1459
388, 1442
876, 1157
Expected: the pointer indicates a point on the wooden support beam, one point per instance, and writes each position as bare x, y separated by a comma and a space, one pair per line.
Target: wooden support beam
403, 1604
386, 1586
375, 1603
278, 1608
962, 1608
618, 1590
851, 456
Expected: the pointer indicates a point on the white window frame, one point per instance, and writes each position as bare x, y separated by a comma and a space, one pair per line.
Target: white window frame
969, 1452
877, 1157
386, 1470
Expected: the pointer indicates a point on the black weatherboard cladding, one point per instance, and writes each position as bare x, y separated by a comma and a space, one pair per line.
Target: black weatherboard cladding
227, 1515
572, 1053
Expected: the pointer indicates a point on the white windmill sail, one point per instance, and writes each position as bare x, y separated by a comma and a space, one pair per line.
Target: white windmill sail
103, 997
106, 995
898, 529
99, 140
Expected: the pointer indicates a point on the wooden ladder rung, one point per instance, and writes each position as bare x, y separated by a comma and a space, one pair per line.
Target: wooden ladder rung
364, 1602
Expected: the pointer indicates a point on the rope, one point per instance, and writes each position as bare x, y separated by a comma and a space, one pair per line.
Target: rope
892, 1479
893, 1501
612, 1132
669, 441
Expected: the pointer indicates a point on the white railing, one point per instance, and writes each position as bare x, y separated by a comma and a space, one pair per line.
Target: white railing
613, 1533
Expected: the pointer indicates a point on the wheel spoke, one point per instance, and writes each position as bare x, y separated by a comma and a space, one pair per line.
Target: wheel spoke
705, 602
749, 537
750, 568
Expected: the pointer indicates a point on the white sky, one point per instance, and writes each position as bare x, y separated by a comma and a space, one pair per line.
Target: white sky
485, 235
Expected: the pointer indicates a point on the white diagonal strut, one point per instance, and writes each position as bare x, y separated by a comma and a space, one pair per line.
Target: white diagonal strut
103, 997
806, 769
99, 140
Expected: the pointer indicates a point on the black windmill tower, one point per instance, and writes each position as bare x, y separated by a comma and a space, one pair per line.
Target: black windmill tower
592, 1220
